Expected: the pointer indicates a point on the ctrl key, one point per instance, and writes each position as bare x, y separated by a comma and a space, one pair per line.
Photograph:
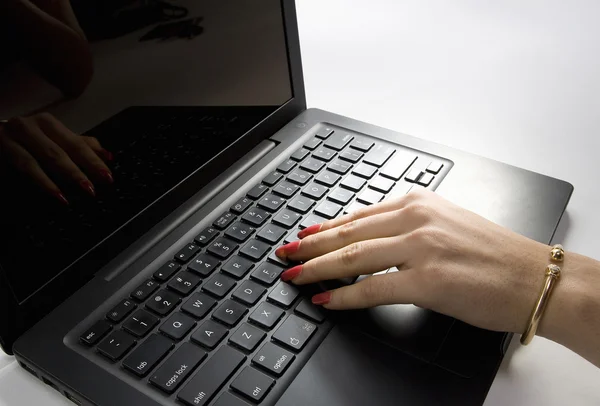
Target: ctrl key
177, 367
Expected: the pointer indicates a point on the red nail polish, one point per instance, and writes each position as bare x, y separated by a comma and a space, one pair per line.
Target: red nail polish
106, 175
288, 249
310, 231
322, 298
107, 154
291, 273
61, 197
88, 187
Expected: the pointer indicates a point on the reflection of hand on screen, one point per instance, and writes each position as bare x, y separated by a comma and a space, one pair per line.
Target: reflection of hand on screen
42, 148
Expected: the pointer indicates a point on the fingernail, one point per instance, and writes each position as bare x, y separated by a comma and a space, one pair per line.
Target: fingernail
88, 187
61, 197
106, 175
310, 231
288, 249
107, 154
322, 298
291, 273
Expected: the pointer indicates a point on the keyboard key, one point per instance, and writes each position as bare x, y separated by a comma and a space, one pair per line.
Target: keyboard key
312, 165
274, 258
299, 177
255, 249
143, 291
273, 359
267, 273
271, 202
398, 165
211, 377
338, 140
324, 154
328, 209
256, 216
351, 155
272, 178
327, 178
198, 305
312, 143
286, 189
224, 220
286, 166
300, 154
400, 189
414, 175
253, 384
382, 184
230, 313
178, 367
311, 220
96, 332
272, 233
284, 295
177, 326
203, 264
184, 283
239, 231
354, 206
362, 144
293, 236
287, 218
166, 271
249, 292
187, 252
209, 334
324, 133
425, 179
120, 311
364, 170
294, 332
257, 191
148, 355
315, 191
370, 196
241, 205
266, 315
219, 285
339, 166
116, 345
206, 236
341, 196
309, 310
163, 302
140, 323
247, 337
435, 167
301, 204
222, 248
353, 183
228, 399
379, 155
237, 267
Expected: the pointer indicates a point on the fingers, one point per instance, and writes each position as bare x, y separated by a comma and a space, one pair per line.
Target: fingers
76, 147
97, 148
389, 288
26, 163
360, 258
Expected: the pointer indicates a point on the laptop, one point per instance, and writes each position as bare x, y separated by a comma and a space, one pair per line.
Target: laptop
165, 290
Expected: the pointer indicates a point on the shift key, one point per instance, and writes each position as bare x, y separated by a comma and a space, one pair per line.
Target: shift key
178, 367
211, 377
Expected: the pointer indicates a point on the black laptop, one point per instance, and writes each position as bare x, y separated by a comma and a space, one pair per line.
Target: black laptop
165, 290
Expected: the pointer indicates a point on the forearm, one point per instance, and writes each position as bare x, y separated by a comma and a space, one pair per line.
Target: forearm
572, 317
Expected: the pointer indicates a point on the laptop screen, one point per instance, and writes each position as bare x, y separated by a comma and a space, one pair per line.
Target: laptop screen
164, 86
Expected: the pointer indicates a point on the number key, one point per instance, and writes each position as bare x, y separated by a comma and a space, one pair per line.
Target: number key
203, 264
184, 282
256, 216
239, 231
271, 202
222, 248
163, 302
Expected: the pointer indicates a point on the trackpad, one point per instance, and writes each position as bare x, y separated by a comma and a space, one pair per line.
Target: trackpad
413, 330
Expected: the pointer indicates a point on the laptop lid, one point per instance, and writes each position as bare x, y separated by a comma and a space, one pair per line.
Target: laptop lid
179, 90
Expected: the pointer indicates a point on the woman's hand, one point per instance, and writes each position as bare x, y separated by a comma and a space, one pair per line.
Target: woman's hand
449, 260
41, 147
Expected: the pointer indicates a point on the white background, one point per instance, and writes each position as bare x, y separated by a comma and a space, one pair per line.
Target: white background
517, 81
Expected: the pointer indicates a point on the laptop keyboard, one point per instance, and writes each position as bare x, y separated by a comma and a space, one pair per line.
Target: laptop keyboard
193, 325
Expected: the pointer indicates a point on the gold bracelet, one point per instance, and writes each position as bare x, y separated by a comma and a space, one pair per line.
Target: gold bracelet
557, 254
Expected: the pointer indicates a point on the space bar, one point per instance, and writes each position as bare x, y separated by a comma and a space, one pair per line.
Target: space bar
211, 377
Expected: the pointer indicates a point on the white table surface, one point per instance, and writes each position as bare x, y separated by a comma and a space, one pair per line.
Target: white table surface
515, 80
